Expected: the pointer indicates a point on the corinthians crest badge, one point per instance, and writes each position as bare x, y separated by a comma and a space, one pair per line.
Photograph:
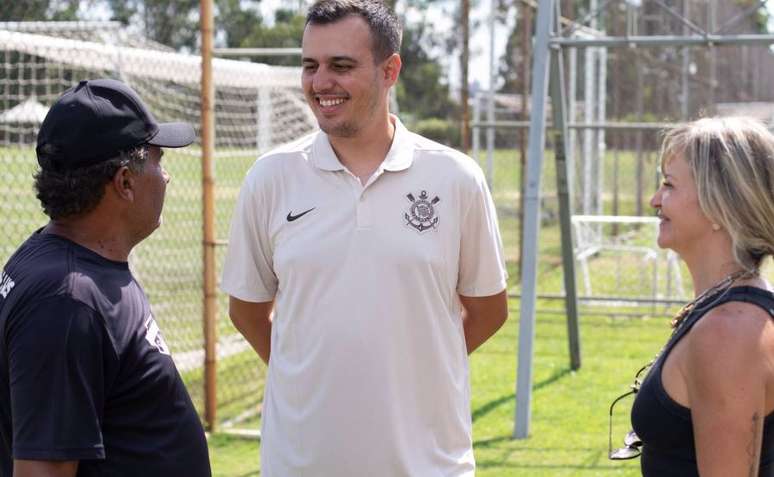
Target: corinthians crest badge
421, 214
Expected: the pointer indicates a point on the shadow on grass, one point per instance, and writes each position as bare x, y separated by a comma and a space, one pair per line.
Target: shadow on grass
558, 374
491, 405
507, 465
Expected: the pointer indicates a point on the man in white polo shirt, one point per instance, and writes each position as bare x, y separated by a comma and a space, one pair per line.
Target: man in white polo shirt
379, 255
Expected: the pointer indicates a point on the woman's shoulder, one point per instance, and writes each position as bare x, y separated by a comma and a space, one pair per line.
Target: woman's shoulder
737, 327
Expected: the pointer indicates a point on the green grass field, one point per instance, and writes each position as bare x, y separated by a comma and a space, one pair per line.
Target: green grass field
569, 414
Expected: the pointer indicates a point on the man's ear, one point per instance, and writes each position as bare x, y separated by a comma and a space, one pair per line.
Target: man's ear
123, 183
391, 67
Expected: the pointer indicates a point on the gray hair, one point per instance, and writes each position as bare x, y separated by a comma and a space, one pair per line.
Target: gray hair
732, 163
77, 192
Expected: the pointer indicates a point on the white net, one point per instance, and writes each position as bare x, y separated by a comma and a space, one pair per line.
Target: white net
619, 263
257, 107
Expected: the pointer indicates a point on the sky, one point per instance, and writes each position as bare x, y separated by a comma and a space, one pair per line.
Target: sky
479, 42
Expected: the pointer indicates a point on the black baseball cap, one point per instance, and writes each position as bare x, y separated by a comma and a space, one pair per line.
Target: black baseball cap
95, 120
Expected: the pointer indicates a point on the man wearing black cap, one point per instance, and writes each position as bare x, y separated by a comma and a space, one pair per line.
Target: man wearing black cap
87, 385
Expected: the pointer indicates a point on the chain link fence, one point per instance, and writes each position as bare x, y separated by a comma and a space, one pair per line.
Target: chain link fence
257, 107
620, 269
617, 101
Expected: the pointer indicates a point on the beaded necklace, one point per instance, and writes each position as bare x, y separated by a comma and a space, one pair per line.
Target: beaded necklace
716, 290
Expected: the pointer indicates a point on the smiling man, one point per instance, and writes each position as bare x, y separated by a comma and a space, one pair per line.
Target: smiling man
364, 264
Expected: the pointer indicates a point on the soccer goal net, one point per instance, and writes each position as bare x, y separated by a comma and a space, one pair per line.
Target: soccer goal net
257, 107
619, 263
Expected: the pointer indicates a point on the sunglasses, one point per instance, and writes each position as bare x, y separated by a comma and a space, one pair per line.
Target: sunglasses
632, 443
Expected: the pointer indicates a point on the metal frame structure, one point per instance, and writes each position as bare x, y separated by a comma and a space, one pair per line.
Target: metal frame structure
551, 38
249, 52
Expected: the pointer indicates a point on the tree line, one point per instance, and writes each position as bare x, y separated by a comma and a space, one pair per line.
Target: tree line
642, 84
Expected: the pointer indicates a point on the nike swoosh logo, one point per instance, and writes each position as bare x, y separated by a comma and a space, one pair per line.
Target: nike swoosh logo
292, 217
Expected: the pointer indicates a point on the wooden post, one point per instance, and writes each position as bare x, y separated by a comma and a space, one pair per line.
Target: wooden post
208, 217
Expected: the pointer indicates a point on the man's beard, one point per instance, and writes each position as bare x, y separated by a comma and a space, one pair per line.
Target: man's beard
345, 129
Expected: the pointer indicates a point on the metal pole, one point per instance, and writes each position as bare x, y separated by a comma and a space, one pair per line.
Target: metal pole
588, 134
711, 7
526, 47
592, 75
465, 127
477, 127
684, 97
529, 247
561, 136
601, 145
639, 105
257, 52
490, 132
208, 216
666, 40
572, 108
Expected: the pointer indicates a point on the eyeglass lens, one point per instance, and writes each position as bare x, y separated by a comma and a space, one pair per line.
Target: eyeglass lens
632, 442
632, 449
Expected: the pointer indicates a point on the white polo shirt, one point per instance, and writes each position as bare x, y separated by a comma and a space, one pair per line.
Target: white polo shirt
368, 373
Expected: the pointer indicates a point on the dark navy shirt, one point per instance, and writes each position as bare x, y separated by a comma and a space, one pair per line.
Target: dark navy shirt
665, 426
84, 371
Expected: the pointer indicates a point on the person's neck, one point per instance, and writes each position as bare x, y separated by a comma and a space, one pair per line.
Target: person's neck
362, 154
102, 239
710, 269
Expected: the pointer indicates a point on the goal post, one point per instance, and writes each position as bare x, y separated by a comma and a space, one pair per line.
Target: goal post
620, 262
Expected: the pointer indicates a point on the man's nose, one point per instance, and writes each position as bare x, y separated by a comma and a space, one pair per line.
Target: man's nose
322, 81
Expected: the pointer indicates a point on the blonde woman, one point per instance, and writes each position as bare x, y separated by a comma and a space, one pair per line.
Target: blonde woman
706, 405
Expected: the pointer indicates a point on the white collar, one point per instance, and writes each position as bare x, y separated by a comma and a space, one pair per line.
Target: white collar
399, 157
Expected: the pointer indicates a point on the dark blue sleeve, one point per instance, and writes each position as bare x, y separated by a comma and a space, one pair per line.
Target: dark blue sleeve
56, 376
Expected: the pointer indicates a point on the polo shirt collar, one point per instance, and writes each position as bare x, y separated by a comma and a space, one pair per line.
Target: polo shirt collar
399, 157
401, 153
323, 155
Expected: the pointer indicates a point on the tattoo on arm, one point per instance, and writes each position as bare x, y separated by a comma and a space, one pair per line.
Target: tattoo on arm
754, 446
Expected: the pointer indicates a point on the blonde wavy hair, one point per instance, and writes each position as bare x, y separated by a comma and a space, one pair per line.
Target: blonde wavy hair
732, 163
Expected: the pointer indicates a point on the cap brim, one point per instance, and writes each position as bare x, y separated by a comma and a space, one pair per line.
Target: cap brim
173, 135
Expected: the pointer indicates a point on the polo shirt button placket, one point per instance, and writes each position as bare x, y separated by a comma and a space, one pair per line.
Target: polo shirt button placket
363, 211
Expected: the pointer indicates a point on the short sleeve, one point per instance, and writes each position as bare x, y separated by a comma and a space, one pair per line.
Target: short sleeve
55, 364
248, 272
482, 266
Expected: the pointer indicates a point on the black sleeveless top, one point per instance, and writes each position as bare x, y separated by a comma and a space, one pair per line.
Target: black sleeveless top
665, 426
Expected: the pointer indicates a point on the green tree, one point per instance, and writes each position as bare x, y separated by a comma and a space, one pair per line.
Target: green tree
237, 19
422, 90
39, 10
515, 63
173, 23
286, 32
